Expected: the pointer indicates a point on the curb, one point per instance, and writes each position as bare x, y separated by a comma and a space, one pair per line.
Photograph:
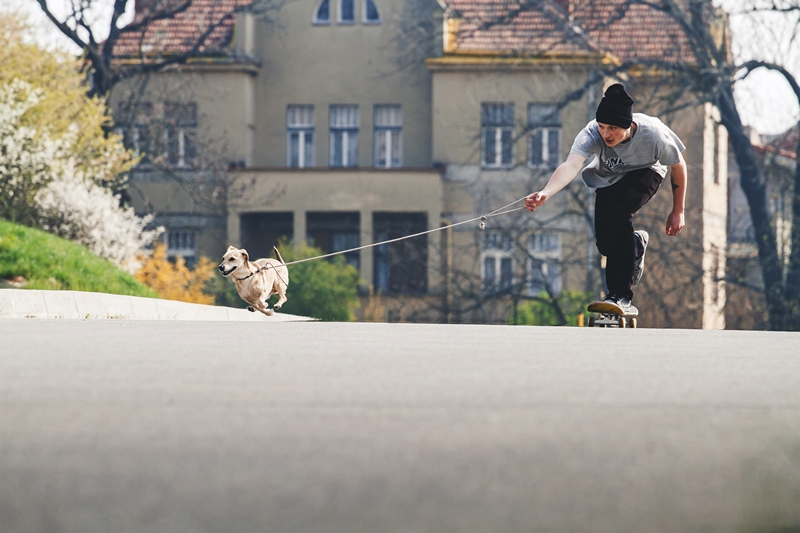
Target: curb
20, 303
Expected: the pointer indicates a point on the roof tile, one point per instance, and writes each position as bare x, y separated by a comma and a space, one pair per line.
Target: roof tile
180, 33
568, 27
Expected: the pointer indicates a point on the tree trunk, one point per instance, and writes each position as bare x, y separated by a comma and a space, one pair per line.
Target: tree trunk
755, 192
793, 275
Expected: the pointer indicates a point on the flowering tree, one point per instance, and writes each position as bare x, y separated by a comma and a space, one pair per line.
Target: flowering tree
26, 159
41, 185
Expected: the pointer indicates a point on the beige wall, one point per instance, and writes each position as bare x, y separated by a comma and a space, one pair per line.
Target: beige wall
225, 104
458, 92
319, 65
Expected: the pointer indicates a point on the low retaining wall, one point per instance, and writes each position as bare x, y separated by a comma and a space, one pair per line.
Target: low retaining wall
20, 303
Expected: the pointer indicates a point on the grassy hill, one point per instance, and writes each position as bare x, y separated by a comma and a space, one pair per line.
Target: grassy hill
52, 263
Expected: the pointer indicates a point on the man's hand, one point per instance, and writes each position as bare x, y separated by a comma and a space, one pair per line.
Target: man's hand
534, 200
675, 222
563, 174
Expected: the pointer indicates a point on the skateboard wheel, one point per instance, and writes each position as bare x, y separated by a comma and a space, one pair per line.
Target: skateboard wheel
634, 323
622, 322
591, 322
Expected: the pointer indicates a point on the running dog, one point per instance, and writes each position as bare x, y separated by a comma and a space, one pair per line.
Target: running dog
256, 280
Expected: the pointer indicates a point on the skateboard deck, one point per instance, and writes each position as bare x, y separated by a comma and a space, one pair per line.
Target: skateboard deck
612, 315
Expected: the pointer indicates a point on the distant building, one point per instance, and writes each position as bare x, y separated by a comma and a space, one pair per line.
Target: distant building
352, 122
777, 158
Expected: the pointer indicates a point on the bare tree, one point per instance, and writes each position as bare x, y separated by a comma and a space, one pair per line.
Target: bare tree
207, 21
700, 69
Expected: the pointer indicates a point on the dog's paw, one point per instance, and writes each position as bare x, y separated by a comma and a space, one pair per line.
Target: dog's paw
270, 312
251, 308
276, 307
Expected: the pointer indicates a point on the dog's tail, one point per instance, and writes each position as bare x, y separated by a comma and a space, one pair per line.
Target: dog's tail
278, 255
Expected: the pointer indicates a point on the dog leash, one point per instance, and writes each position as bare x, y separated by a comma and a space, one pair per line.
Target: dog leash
482, 225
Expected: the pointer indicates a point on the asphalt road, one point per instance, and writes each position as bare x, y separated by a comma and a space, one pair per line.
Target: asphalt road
122, 426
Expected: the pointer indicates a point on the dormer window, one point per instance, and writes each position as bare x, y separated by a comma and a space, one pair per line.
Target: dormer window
323, 13
347, 11
371, 15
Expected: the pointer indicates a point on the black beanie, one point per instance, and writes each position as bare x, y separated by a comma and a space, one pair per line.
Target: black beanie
615, 107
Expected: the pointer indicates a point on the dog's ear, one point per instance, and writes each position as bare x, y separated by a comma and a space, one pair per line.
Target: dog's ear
245, 256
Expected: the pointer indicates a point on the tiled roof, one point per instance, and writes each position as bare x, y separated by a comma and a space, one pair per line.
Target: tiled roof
180, 33
568, 27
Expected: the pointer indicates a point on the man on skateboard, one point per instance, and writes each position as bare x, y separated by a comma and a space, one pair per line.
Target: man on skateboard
630, 154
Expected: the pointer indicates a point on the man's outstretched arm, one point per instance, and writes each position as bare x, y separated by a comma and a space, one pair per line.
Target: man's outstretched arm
676, 220
565, 173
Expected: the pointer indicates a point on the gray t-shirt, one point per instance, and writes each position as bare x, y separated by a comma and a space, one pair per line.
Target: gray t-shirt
653, 145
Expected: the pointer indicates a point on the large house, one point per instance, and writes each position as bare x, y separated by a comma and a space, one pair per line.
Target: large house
352, 122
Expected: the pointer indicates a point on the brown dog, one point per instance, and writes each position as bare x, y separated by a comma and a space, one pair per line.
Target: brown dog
256, 280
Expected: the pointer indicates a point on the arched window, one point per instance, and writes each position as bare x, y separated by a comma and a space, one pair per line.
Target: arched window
323, 13
371, 15
347, 11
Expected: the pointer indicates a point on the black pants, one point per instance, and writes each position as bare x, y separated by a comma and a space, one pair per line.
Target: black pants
614, 208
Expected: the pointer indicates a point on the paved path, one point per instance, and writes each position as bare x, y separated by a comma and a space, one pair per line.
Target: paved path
122, 426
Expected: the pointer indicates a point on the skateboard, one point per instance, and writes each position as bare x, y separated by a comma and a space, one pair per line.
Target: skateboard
611, 316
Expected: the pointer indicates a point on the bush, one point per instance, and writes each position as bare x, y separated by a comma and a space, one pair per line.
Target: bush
322, 288
542, 311
173, 280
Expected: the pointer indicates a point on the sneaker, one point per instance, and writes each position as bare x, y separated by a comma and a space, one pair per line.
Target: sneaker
617, 305
620, 301
638, 265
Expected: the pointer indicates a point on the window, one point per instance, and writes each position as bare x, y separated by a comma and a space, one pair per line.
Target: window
140, 138
371, 15
181, 243
497, 135
322, 15
180, 134
544, 263
347, 11
300, 136
344, 136
400, 267
544, 145
497, 266
335, 232
388, 120
262, 231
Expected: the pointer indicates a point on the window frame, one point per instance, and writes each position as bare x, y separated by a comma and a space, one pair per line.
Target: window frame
183, 130
498, 130
497, 246
545, 127
182, 252
340, 19
347, 132
549, 256
303, 130
391, 130
364, 11
315, 18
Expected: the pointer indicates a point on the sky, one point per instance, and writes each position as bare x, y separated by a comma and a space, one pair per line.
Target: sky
764, 98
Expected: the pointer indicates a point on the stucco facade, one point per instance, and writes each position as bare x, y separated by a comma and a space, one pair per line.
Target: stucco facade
325, 85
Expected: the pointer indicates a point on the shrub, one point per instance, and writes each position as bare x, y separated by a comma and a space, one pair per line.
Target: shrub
173, 280
543, 310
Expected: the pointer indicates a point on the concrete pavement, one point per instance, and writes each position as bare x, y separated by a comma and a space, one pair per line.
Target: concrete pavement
19, 303
131, 426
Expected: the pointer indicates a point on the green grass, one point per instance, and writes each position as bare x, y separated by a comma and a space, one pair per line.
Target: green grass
51, 263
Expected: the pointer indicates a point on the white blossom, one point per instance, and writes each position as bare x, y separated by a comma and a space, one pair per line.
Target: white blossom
41, 184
